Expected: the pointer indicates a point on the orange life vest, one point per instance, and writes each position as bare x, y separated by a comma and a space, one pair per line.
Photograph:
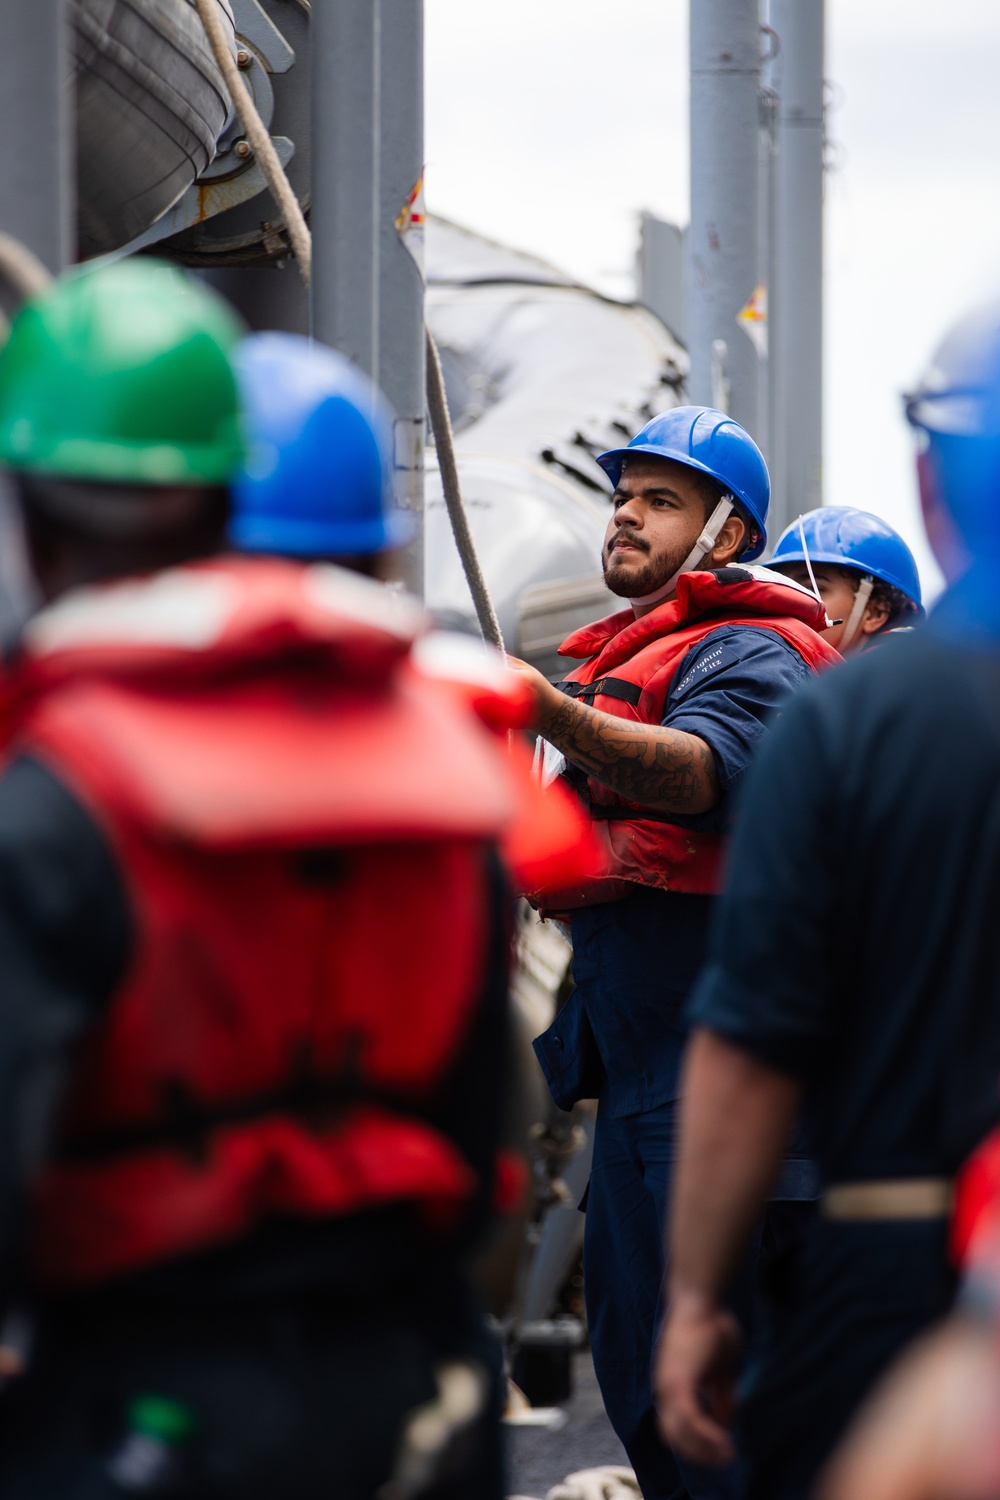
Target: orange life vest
302, 823
629, 668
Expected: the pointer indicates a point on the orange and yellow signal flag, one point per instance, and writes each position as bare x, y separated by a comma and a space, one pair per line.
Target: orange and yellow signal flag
752, 318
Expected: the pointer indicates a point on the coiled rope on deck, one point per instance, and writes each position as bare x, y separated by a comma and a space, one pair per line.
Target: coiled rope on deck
301, 238
608, 1482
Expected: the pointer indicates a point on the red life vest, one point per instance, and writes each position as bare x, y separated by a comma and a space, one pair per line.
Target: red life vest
975, 1224
309, 922
631, 664
549, 839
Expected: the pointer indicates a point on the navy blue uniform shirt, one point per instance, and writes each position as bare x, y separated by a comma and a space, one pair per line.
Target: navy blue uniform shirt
635, 961
856, 945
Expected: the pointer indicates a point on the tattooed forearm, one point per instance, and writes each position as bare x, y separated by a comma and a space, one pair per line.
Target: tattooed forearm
662, 768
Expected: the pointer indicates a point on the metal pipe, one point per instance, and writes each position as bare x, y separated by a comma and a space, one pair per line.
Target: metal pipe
797, 301
767, 150
37, 163
401, 358
722, 269
346, 160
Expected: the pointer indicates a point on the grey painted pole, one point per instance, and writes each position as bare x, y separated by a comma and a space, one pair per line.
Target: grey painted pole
37, 159
401, 346
797, 302
722, 269
345, 177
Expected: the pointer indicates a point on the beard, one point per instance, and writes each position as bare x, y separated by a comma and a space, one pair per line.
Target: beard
630, 581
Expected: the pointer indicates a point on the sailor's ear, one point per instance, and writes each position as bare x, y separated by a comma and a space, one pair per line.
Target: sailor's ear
731, 541
876, 615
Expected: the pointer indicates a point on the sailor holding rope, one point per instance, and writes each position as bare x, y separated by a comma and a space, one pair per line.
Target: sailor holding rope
657, 718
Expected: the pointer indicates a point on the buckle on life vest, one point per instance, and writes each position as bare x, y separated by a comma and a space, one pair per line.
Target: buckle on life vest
607, 687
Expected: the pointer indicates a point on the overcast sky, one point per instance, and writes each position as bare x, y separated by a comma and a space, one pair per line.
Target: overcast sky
552, 123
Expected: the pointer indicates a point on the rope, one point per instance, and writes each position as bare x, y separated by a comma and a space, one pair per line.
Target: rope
609, 1482
437, 400
444, 440
22, 268
260, 140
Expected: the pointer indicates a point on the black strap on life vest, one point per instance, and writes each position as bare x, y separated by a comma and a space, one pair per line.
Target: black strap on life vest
187, 1123
607, 687
603, 812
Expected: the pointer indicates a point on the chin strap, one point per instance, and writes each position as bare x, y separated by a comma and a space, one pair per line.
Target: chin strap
815, 586
696, 556
861, 599
809, 566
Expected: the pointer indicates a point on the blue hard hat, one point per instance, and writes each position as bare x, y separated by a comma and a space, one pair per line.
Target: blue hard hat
714, 444
851, 538
318, 476
957, 407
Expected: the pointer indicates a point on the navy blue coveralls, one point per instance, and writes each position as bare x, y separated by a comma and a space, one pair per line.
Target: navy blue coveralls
856, 950
620, 1038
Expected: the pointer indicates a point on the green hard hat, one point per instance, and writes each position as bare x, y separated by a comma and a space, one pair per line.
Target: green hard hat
122, 373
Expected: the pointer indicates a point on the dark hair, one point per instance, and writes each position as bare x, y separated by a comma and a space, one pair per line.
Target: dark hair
898, 604
95, 509
89, 532
709, 489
